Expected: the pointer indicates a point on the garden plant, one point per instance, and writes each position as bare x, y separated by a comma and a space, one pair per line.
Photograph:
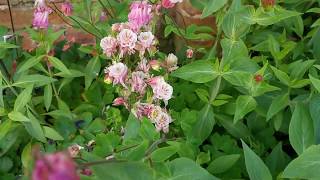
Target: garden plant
129, 105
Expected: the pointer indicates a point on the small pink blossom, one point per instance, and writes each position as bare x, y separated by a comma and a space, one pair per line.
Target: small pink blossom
103, 16
189, 53
109, 45
41, 18
171, 62
55, 166
155, 81
163, 91
146, 39
67, 8
143, 66
127, 40
119, 101
138, 82
170, 3
118, 72
116, 27
140, 14
143, 110
162, 122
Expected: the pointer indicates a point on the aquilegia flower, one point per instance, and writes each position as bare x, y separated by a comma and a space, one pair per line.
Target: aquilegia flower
161, 89
127, 40
109, 45
118, 72
57, 166
140, 14
67, 8
41, 18
138, 82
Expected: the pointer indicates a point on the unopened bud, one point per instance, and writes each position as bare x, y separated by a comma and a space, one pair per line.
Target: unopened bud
189, 53
155, 65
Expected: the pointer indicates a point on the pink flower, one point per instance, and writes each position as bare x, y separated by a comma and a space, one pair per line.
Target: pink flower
161, 89
146, 39
67, 8
143, 110
167, 4
109, 45
41, 18
40, 3
127, 40
140, 14
118, 72
103, 16
119, 101
155, 64
171, 62
143, 66
170, 3
55, 166
162, 122
189, 53
137, 82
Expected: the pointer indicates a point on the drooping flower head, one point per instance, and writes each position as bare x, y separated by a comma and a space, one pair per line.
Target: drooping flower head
55, 166
67, 8
109, 45
118, 72
161, 89
143, 66
146, 40
140, 14
138, 83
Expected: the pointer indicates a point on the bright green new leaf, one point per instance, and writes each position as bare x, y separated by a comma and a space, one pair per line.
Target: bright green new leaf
36, 79
47, 96
29, 63
212, 6
315, 82
23, 98
282, 76
52, 134
17, 116
4, 45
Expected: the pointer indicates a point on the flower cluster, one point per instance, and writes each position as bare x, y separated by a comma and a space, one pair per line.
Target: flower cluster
170, 3
140, 90
55, 166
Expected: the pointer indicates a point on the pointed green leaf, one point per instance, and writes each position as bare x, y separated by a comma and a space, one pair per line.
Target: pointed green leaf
17, 116
47, 97
58, 64
315, 82
223, 163
278, 104
23, 98
213, 6
244, 105
52, 134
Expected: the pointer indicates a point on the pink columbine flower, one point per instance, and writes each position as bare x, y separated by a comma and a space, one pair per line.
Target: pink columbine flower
146, 39
189, 53
55, 166
40, 3
41, 18
143, 66
138, 82
162, 122
140, 14
143, 110
118, 72
67, 8
119, 101
161, 89
109, 45
127, 40
171, 62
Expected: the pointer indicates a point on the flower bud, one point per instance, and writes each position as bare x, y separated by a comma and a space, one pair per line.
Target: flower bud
155, 65
108, 79
171, 60
258, 78
119, 101
268, 3
189, 53
67, 8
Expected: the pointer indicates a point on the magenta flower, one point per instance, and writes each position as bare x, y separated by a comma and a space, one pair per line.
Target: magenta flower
140, 14
127, 40
67, 8
118, 72
109, 45
57, 166
41, 18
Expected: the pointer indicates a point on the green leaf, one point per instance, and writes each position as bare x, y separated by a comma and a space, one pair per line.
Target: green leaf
278, 104
17, 116
233, 27
277, 160
164, 153
244, 105
213, 6
123, 171
52, 134
5, 164
4, 45
186, 169
29, 63
58, 64
34, 128
91, 71
282, 76
132, 127
36, 79
301, 131
203, 127
238, 78
23, 98
47, 97
223, 163
315, 82
26, 156
314, 112
199, 72
256, 168
306, 166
